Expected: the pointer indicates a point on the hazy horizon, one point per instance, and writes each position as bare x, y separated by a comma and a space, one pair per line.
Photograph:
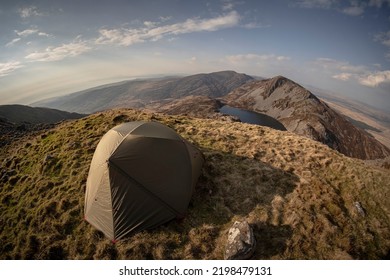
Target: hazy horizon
52, 48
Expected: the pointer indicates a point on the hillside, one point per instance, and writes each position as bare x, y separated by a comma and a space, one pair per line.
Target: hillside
21, 114
303, 113
202, 95
192, 106
374, 121
19, 121
303, 199
139, 93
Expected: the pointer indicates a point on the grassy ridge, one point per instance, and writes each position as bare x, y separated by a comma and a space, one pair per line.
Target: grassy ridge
299, 196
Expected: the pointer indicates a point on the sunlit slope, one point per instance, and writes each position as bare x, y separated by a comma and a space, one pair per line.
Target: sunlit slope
303, 199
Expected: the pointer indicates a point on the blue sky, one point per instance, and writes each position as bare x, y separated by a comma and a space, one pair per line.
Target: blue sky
50, 48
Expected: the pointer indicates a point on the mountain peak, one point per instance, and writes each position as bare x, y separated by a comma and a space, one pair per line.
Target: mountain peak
279, 81
303, 113
279, 78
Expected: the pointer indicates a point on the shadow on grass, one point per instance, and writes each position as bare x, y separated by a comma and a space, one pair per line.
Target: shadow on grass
271, 240
231, 187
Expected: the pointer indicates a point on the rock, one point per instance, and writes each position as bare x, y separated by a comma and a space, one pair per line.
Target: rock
241, 242
360, 209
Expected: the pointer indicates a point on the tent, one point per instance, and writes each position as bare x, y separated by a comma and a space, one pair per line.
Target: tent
142, 175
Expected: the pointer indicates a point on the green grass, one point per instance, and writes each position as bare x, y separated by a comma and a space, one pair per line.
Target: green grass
297, 194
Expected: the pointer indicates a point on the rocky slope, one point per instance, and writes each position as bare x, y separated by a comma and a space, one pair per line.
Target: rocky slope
192, 106
302, 199
303, 113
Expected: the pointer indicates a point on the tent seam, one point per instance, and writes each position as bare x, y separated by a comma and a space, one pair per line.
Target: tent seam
143, 188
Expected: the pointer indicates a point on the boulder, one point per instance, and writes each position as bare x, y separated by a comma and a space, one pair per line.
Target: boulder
241, 242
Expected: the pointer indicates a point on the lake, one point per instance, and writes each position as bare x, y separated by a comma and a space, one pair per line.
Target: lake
252, 117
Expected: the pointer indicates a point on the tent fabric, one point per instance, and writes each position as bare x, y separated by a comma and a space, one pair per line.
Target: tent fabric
142, 175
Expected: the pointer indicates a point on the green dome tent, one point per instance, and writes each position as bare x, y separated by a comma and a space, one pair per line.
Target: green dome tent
142, 175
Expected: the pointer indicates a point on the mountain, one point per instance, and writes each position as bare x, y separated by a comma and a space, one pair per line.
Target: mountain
202, 95
192, 106
139, 93
25, 114
302, 199
303, 113
373, 120
19, 122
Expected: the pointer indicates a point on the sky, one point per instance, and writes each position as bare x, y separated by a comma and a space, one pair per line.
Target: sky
50, 48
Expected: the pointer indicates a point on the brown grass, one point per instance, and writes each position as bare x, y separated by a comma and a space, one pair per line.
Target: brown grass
298, 195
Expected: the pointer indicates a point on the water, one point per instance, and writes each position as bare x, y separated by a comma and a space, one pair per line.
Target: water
252, 117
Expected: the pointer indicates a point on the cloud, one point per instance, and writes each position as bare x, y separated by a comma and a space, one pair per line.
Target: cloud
43, 34
342, 76
378, 3
321, 4
150, 23
227, 5
165, 18
27, 12
337, 65
11, 43
383, 38
59, 53
344, 71
255, 57
375, 79
26, 32
353, 10
192, 60
151, 32
8, 67
252, 25
31, 31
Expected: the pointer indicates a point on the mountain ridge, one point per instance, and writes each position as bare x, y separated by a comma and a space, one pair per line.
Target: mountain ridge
302, 112
17, 114
138, 93
295, 107
19, 121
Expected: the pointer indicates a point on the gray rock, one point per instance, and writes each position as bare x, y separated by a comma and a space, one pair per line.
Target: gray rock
241, 242
360, 209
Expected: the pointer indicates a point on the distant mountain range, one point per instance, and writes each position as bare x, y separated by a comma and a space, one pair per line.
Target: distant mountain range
202, 95
140, 93
21, 114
